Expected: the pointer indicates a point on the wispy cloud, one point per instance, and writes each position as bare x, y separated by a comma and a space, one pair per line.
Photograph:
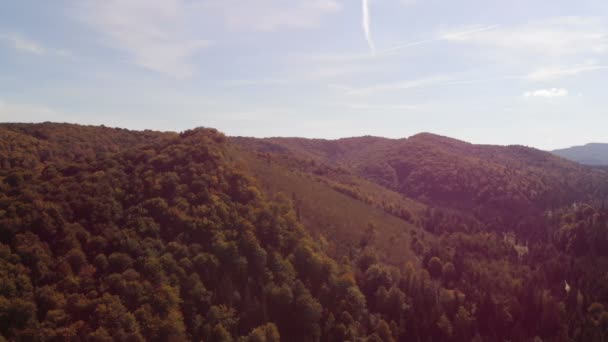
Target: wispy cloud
433, 37
165, 36
396, 86
306, 73
155, 33
246, 82
554, 72
443, 80
553, 92
374, 106
465, 33
21, 43
271, 15
404, 45
335, 71
440, 36
554, 37
367, 30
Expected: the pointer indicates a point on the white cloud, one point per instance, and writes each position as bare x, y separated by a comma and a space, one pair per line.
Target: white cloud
555, 72
156, 33
367, 30
164, 35
555, 37
271, 15
553, 92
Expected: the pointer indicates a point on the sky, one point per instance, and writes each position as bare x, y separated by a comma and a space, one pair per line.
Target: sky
529, 72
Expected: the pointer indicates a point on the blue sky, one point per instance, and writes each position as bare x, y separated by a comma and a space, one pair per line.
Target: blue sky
500, 72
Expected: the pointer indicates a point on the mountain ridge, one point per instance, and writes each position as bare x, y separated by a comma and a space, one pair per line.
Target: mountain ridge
444, 171
109, 234
590, 154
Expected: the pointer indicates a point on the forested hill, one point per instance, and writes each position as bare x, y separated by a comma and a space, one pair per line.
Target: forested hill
590, 154
29, 145
154, 237
115, 235
501, 185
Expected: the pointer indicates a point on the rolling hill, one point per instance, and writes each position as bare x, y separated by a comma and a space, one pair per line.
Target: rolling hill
115, 235
506, 187
590, 154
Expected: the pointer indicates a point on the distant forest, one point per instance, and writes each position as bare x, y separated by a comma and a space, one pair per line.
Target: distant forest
116, 235
590, 154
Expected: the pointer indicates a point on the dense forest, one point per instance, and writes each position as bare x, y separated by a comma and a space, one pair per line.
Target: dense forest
115, 235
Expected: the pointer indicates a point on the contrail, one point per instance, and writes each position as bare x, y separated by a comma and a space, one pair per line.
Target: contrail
406, 45
367, 28
440, 37
475, 29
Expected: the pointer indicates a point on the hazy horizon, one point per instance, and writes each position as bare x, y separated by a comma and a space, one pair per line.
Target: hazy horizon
315, 137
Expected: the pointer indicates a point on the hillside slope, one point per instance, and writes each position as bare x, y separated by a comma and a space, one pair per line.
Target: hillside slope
502, 186
31, 145
590, 154
346, 220
117, 235
154, 237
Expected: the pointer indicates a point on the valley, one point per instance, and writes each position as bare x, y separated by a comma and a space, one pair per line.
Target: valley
111, 234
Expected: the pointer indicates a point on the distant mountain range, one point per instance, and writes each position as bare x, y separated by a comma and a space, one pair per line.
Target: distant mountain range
590, 154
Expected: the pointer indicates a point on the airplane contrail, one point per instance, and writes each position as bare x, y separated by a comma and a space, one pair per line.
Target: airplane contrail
445, 36
367, 27
440, 37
